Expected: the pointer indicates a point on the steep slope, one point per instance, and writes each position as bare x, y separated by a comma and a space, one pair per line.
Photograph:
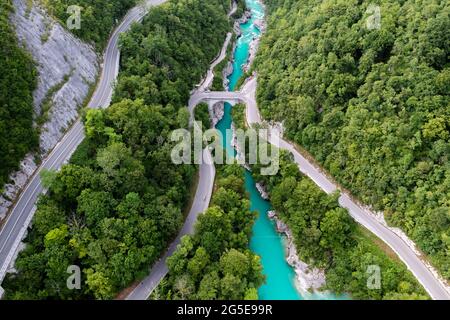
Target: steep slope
17, 82
371, 103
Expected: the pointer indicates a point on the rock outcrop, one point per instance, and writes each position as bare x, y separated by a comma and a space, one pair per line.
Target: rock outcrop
244, 19
67, 69
252, 53
262, 191
216, 112
240, 156
260, 24
307, 278
226, 72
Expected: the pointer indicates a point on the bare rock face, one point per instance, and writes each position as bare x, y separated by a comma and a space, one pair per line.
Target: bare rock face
226, 72
62, 61
67, 68
240, 156
262, 191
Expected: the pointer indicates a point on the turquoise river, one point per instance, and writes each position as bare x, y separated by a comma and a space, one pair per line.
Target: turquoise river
265, 241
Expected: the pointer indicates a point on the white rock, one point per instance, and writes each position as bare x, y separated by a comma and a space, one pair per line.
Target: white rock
59, 56
262, 191
271, 214
226, 72
216, 112
307, 278
240, 156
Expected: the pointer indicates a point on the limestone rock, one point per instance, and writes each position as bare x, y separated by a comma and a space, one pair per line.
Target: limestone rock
65, 65
307, 278
262, 191
226, 72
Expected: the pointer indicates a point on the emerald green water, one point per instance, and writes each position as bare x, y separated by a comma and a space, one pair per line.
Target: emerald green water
265, 241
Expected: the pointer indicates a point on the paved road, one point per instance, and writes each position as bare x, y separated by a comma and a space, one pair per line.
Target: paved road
199, 205
207, 173
233, 9
431, 282
22, 213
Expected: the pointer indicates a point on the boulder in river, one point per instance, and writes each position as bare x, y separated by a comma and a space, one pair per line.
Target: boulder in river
262, 191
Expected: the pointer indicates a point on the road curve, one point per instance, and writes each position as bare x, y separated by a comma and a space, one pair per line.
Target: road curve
432, 282
22, 212
200, 203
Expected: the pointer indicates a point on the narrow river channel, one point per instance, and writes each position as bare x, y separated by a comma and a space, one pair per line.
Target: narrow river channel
265, 241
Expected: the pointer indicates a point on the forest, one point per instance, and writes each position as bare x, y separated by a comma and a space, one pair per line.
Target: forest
98, 17
164, 58
327, 237
18, 78
216, 263
370, 104
115, 207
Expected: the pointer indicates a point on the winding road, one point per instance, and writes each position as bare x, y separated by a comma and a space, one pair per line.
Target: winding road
206, 83
432, 282
22, 212
207, 173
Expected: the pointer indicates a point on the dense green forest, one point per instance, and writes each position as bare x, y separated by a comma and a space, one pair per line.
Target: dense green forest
164, 58
215, 263
98, 17
217, 84
114, 208
17, 83
327, 237
371, 105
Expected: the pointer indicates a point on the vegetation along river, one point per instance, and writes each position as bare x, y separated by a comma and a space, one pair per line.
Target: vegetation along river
265, 241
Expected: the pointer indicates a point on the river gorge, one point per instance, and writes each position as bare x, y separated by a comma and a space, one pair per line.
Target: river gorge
271, 246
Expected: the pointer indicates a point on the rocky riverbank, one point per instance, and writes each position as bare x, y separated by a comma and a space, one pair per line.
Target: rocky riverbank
244, 19
240, 156
262, 191
227, 71
307, 278
254, 45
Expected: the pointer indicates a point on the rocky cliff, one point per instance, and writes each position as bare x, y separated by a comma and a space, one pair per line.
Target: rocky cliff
67, 69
